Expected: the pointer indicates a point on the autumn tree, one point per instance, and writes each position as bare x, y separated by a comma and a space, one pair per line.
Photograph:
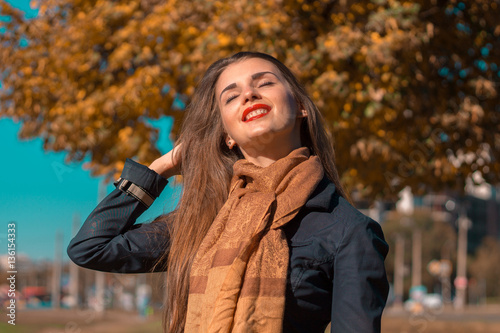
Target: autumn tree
409, 88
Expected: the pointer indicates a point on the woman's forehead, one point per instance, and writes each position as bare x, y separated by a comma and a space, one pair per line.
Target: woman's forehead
244, 69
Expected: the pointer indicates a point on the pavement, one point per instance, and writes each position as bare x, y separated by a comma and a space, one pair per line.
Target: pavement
473, 319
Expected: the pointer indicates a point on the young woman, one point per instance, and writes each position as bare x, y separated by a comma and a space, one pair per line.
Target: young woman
263, 238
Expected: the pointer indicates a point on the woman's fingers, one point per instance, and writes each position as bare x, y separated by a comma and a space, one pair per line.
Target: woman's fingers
169, 164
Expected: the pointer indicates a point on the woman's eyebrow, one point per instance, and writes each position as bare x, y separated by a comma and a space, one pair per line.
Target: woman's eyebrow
260, 74
231, 86
254, 76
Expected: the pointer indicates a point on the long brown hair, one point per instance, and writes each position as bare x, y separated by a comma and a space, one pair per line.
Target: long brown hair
207, 167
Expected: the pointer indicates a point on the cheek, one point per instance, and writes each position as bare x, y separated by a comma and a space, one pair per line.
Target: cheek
226, 121
223, 114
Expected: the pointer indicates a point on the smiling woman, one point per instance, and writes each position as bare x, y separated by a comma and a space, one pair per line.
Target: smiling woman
264, 238
259, 111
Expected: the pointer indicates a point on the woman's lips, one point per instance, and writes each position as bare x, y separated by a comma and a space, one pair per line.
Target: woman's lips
255, 112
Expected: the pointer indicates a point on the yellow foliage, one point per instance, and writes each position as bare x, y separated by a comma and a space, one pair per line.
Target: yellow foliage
89, 78
224, 39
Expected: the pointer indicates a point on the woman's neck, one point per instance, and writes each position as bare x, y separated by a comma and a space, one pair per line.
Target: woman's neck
264, 158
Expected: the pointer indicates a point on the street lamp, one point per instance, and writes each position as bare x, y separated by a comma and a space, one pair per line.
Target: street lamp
461, 280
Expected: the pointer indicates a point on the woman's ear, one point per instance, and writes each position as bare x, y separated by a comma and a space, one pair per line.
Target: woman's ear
230, 142
302, 112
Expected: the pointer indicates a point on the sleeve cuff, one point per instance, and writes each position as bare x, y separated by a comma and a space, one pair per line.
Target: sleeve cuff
144, 177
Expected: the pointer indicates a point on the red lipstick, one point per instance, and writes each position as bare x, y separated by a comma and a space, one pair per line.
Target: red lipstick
253, 108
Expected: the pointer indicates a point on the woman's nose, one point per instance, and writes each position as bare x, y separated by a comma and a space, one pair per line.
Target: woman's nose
250, 94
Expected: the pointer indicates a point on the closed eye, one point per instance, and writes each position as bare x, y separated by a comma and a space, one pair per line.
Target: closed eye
230, 98
266, 83
263, 84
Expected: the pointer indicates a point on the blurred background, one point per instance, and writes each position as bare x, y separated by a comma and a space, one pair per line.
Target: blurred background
409, 90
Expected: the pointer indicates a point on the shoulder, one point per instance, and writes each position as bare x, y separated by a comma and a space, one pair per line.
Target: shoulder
330, 220
358, 230
350, 218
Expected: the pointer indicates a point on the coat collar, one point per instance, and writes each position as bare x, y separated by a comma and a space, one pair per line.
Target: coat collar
323, 197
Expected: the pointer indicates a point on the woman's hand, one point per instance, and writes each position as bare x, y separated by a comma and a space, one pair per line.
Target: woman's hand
169, 164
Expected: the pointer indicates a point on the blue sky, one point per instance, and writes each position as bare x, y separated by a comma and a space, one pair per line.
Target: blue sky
42, 194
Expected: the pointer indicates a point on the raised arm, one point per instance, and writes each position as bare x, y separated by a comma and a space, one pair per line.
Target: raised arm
109, 241
360, 284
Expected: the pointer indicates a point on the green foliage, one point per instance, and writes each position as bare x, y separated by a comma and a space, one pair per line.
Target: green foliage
409, 88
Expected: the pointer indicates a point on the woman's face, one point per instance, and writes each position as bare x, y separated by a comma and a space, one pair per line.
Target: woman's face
258, 109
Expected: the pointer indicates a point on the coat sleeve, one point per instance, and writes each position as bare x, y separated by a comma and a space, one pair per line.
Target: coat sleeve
109, 241
360, 285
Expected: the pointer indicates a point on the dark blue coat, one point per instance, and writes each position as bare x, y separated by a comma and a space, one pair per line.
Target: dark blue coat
337, 254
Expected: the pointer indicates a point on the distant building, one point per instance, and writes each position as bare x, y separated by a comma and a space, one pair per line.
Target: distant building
481, 204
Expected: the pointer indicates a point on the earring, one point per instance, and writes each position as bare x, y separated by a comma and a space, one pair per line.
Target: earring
230, 144
304, 113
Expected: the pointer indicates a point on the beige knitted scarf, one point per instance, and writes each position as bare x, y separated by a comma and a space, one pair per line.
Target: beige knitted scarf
238, 276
